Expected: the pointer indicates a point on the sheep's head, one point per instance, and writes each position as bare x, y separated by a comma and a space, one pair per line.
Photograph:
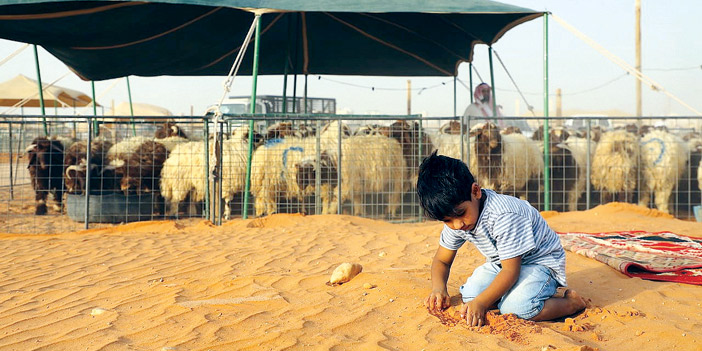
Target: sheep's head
488, 142
40, 152
511, 130
306, 172
280, 130
75, 178
452, 127
169, 129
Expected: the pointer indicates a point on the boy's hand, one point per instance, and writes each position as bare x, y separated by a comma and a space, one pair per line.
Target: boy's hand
474, 313
438, 301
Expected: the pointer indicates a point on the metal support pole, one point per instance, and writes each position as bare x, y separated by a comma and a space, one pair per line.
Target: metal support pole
96, 126
547, 156
20, 142
131, 106
220, 173
492, 83
254, 77
305, 99
454, 96
206, 132
463, 138
12, 192
470, 82
87, 174
41, 90
338, 170
587, 166
318, 170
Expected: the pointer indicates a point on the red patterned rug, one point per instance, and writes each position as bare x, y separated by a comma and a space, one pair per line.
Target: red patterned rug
660, 256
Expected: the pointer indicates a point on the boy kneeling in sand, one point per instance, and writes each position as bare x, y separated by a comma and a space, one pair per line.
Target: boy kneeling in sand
525, 259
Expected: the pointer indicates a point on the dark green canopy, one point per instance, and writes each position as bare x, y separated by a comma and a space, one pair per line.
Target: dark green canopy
109, 39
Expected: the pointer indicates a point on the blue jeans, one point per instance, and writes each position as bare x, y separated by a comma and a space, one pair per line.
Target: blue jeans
535, 285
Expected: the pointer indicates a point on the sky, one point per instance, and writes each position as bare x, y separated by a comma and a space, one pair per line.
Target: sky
671, 56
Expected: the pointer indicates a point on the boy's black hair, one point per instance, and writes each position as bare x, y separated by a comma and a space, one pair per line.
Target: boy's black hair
443, 184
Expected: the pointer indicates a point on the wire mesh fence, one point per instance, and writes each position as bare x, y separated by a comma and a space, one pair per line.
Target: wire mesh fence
190, 168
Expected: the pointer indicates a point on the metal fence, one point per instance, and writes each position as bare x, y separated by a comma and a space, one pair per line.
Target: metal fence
189, 168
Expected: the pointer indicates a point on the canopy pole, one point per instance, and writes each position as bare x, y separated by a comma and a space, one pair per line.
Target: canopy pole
470, 81
492, 83
41, 90
131, 106
454, 96
285, 68
254, 84
297, 47
96, 126
305, 94
547, 157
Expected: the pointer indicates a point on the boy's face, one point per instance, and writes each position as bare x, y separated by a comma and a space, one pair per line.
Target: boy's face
470, 211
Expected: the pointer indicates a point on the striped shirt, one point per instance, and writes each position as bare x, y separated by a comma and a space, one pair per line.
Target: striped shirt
509, 227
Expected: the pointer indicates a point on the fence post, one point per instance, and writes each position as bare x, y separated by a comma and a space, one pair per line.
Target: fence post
206, 131
87, 173
220, 173
12, 192
587, 166
318, 171
339, 170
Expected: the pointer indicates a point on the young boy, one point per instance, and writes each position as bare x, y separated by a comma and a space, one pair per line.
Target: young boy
525, 259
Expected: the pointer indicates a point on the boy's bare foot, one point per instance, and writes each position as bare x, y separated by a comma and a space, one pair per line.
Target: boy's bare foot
557, 307
577, 302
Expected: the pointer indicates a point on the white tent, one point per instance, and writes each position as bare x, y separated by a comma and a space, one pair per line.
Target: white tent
140, 109
22, 88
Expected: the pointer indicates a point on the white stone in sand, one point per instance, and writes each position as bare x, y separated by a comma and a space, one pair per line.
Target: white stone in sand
345, 272
97, 311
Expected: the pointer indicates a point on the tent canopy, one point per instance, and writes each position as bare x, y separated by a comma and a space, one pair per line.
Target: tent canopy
21, 88
109, 39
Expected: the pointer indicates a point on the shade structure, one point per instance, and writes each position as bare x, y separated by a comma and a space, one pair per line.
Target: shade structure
21, 88
108, 39
140, 109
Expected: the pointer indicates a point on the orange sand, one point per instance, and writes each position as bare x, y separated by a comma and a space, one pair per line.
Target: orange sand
260, 284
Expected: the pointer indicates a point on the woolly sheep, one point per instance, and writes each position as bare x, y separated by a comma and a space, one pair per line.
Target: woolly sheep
184, 172
370, 164
614, 165
663, 159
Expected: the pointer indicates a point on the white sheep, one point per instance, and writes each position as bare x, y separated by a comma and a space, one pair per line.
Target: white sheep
614, 165
121, 151
171, 142
274, 172
369, 164
663, 159
184, 172
521, 161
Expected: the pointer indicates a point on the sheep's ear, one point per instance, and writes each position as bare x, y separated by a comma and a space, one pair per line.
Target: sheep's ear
174, 129
31, 148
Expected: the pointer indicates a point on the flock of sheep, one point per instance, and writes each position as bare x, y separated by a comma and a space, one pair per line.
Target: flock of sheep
289, 162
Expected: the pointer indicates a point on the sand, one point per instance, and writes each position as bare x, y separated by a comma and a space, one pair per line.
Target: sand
260, 285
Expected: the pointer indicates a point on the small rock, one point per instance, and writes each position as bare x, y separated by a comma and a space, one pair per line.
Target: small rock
393, 300
368, 285
97, 311
168, 348
382, 254
638, 333
683, 334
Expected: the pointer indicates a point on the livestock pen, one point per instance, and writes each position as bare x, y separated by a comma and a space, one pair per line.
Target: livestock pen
197, 167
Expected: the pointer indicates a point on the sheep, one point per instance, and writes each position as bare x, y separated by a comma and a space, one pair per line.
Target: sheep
504, 162
120, 152
274, 172
184, 171
407, 134
370, 164
567, 181
46, 172
169, 129
663, 159
76, 166
614, 165
688, 193
242, 133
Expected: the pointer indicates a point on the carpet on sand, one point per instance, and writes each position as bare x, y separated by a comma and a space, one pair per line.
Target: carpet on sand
662, 256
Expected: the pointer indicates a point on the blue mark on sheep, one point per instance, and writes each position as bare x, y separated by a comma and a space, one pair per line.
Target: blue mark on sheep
660, 155
285, 158
273, 142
